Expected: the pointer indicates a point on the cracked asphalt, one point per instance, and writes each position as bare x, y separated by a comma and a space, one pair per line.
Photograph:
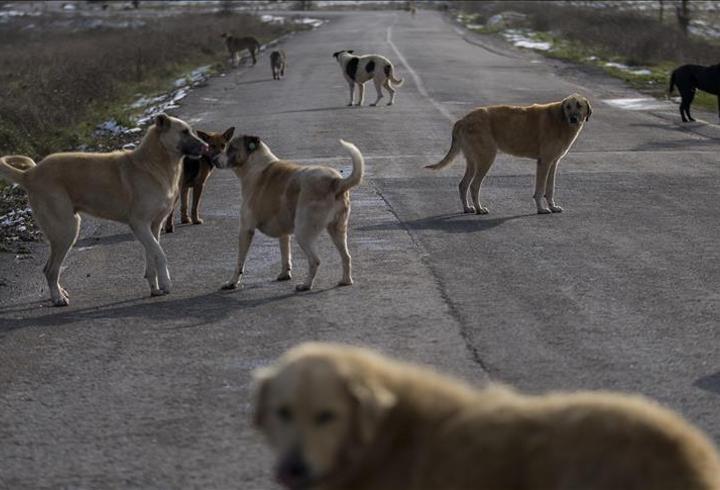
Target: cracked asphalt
618, 292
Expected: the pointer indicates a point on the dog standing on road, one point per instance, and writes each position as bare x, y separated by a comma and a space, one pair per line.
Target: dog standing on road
136, 187
689, 78
359, 69
341, 417
281, 198
235, 45
195, 173
544, 132
278, 62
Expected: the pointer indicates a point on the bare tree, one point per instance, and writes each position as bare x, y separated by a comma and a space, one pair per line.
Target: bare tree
682, 12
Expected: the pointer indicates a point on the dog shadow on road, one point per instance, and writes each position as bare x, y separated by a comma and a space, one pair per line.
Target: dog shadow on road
449, 223
709, 383
318, 109
188, 312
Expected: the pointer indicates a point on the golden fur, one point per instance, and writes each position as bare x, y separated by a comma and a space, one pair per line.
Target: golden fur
282, 198
135, 187
544, 132
346, 418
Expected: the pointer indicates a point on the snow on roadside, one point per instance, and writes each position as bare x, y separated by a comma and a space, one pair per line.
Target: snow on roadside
523, 39
624, 67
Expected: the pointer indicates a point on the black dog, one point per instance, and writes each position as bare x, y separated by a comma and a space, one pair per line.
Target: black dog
689, 78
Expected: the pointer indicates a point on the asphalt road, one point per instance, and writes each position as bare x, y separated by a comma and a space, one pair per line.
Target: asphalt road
619, 292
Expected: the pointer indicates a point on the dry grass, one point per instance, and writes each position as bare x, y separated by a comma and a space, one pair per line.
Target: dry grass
56, 86
637, 38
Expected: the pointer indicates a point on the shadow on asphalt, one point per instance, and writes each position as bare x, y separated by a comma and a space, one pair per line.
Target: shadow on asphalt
318, 109
709, 383
449, 223
105, 240
195, 311
249, 82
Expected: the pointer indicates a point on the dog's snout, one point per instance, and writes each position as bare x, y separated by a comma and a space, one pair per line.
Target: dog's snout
293, 470
574, 119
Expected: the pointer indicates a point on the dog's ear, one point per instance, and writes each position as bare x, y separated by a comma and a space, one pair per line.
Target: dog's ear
252, 143
228, 133
373, 403
336, 54
261, 381
589, 110
162, 121
203, 136
351, 51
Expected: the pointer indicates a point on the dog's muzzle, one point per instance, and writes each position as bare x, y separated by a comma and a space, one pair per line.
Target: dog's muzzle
293, 472
195, 150
574, 119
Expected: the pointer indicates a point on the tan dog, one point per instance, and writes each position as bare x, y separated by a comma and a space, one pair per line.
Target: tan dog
235, 45
281, 198
135, 187
345, 418
544, 132
278, 63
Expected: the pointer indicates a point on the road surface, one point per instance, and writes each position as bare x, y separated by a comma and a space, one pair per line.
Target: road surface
618, 292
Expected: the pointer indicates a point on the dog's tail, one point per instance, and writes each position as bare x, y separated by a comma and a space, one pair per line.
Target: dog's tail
358, 169
452, 152
13, 168
390, 73
672, 83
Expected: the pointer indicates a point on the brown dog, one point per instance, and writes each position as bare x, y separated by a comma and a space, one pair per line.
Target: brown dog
135, 187
544, 132
195, 173
235, 45
345, 418
282, 198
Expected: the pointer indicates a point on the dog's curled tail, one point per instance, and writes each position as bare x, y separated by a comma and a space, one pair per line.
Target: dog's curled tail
452, 152
13, 168
358, 169
390, 72
672, 83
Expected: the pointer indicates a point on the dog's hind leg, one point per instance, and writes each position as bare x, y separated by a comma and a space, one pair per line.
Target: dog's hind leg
361, 94
61, 226
464, 186
352, 93
156, 270
550, 188
390, 90
285, 258
481, 159
687, 98
307, 229
378, 89
338, 233
544, 166
245, 240
197, 194
184, 195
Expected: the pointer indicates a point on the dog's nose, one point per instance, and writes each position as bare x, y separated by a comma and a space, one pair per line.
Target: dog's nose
573, 119
293, 470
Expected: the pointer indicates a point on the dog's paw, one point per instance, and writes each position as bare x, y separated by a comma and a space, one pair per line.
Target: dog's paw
63, 300
197, 221
482, 210
350, 104
345, 282
469, 210
159, 292
302, 287
229, 286
390, 103
556, 209
373, 104
284, 276
184, 220
544, 211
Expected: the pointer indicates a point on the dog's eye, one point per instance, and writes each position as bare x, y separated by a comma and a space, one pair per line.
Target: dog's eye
324, 417
284, 414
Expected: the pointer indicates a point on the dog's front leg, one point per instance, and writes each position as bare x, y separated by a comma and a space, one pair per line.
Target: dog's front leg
156, 271
550, 189
352, 92
197, 194
285, 257
541, 178
246, 236
361, 94
184, 194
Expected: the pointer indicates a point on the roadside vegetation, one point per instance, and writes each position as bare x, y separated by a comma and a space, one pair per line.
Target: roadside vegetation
640, 46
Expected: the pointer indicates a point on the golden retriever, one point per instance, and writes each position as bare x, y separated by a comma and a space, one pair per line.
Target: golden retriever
544, 132
136, 187
346, 418
281, 198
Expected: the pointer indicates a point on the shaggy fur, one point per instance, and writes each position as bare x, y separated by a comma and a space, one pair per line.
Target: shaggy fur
195, 173
282, 198
544, 132
278, 63
359, 69
135, 187
345, 418
688, 79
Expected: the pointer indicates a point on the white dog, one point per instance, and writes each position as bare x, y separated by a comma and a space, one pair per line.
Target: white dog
360, 69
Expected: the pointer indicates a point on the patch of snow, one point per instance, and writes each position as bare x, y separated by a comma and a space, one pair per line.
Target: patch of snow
522, 39
637, 104
474, 26
624, 67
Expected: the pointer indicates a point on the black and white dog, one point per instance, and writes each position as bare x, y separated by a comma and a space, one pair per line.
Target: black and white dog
689, 78
360, 69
